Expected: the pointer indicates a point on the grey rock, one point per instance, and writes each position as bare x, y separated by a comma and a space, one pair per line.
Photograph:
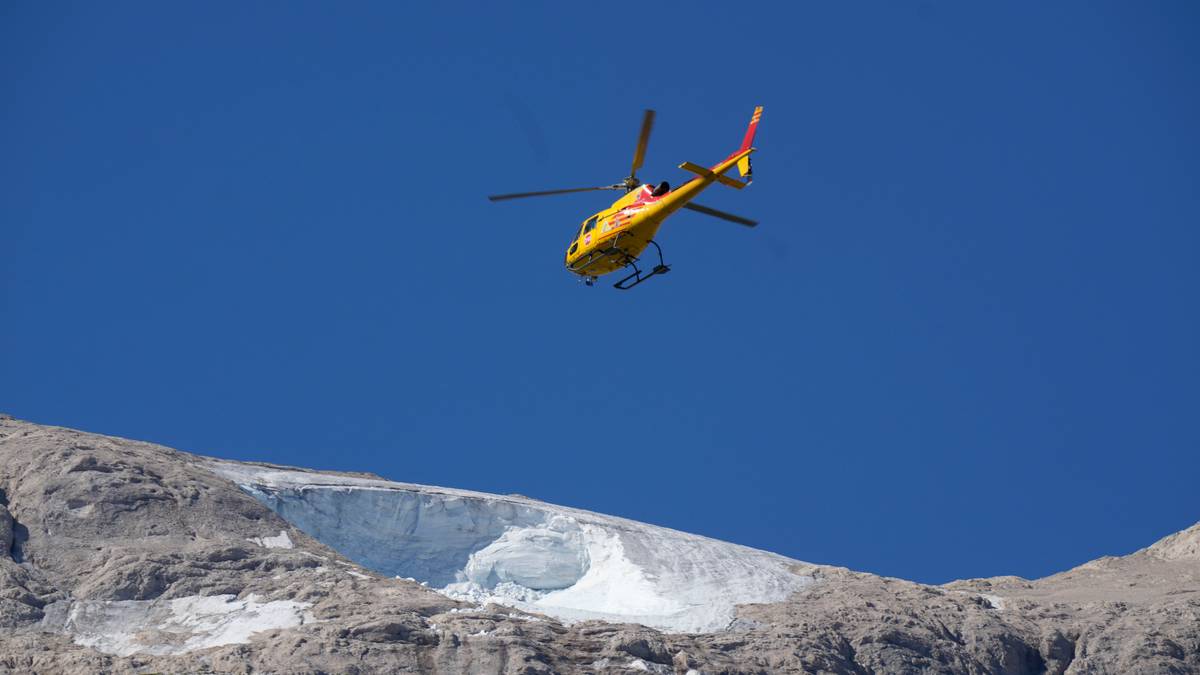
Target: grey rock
6, 532
100, 532
1183, 545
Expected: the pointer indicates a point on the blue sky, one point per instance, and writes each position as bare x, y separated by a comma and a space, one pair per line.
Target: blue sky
962, 342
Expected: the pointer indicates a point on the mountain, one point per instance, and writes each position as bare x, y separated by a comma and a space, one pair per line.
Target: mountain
124, 556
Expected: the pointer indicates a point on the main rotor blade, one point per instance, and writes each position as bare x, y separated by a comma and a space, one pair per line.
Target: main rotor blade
639, 155
519, 195
693, 206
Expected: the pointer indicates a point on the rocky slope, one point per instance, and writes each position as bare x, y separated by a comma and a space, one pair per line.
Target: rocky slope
122, 556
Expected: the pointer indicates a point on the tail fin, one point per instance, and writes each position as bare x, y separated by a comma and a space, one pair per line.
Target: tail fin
740, 157
747, 141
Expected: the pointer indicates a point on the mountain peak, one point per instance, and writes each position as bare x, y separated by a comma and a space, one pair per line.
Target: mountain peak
1183, 545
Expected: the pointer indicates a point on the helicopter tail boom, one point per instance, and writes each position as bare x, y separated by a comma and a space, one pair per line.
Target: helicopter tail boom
717, 172
709, 173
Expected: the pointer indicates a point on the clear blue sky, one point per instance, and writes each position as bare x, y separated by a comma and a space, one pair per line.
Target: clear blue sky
963, 342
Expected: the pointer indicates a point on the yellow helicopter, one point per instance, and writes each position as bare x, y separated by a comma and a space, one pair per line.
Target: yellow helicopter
614, 238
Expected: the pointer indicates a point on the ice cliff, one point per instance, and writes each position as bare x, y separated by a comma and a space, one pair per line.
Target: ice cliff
567, 563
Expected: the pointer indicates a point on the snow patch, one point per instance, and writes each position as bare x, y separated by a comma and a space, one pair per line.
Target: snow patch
995, 601
647, 667
568, 563
181, 625
282, 540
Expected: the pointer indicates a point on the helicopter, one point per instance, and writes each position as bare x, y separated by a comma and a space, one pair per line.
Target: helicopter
613, 239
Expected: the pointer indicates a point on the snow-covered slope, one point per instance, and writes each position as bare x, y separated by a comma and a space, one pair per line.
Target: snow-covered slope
175, 626
567, 563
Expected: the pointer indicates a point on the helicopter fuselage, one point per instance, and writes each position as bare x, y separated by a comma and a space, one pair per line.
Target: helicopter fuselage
610, 239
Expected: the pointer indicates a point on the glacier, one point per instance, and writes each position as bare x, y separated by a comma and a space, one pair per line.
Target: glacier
567, 563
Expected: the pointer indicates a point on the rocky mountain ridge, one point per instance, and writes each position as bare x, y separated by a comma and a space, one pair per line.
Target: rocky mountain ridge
124, 556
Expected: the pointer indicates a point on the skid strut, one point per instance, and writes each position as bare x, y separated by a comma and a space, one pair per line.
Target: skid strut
638, 276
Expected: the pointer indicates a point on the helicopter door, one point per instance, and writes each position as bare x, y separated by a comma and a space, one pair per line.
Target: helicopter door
588, 226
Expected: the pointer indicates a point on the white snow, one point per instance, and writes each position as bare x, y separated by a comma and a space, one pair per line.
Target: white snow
282, 540
177, 626
647, 667
638, 665
995, 601
519, 552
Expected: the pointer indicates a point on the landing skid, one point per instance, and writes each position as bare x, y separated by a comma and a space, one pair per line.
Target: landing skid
638, 276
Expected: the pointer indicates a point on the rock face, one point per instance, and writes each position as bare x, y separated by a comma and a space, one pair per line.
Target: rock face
121, 556
1183, 545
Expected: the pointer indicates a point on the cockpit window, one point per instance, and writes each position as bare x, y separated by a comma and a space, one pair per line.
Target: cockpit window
589, 224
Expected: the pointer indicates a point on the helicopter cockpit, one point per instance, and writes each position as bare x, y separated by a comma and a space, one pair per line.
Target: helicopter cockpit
588, 226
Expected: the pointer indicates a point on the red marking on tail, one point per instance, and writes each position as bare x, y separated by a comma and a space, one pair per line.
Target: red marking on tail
749, 138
